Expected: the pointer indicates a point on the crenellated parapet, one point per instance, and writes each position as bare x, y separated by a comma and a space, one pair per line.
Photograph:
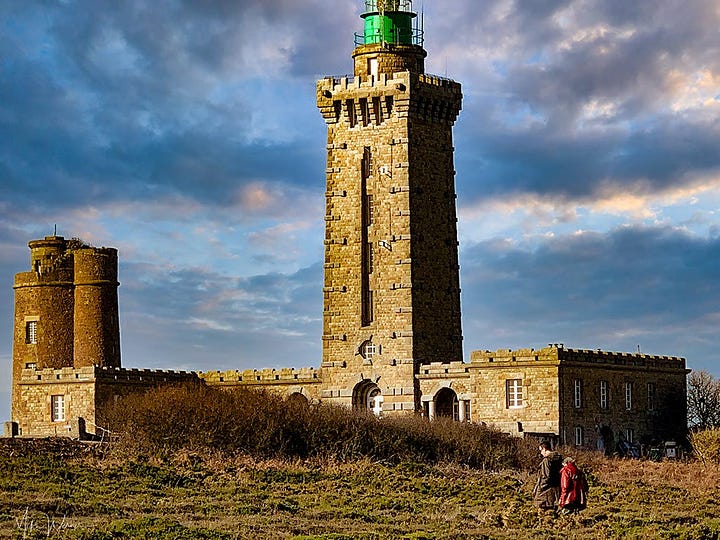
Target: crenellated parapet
443, 370
560, 355
261, 377
149, 377
364, 101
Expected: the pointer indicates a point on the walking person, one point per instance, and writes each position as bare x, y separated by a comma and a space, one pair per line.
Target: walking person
573, 488
547, 488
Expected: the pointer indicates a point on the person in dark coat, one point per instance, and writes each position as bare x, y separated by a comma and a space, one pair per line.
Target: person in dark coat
573, 488
547, 488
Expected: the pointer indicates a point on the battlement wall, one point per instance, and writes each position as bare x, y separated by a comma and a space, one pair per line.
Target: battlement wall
262, 377
561, 355
105, 375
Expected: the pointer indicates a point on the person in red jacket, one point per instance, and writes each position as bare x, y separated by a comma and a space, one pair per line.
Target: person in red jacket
573, 488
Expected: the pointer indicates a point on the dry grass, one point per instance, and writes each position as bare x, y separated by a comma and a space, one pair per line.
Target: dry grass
84, 495
197, 418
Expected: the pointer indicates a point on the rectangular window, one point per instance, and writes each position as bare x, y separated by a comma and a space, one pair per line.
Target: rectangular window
603, 394
370, 214
31, 332
630, 435
513, 393
364, 112
628, 395
352, 116
373, 67
58, 408
30, 365
367, 166
369, 255
578, 393
377, 109
651, 396
579, 436
367, 308
389, 105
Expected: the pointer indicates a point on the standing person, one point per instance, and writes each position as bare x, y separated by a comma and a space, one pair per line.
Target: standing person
547, 488
573, 487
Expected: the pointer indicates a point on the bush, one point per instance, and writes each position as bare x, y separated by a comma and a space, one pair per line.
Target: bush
194, 417
706, 445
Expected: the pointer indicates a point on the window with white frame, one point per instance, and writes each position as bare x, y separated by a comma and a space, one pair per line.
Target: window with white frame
579, 436
368, 350
57, 405
513, 393
630, 435
604, 394
31, 332
578, 393
651, 396
628, 395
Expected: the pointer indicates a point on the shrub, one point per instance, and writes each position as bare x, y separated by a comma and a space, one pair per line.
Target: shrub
194, 417
706, 445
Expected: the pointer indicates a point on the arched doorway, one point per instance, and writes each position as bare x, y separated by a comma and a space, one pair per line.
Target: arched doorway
297, 400
447, 404
367, 397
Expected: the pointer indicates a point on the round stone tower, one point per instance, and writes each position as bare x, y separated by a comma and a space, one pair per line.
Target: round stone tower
96, 326
44, 307
66, 310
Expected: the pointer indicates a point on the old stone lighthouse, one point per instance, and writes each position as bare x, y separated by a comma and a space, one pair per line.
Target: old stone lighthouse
391, 334
392, 294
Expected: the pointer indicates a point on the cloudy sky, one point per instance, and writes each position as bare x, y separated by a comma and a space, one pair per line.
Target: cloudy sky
185, 133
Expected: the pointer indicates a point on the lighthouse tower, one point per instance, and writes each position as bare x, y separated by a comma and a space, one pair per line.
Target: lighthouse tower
391, 285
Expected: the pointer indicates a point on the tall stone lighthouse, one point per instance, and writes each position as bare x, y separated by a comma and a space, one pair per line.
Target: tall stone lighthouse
391, 284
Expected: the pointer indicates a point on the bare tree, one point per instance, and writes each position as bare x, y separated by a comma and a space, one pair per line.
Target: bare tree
703, 400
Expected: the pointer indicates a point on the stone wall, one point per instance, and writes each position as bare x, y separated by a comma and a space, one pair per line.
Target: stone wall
391, 236
85, 393
580, 393
70, 297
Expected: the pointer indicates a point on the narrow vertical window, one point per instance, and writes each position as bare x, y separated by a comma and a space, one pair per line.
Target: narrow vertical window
351, 115
369, 215
31, 332
364, 112
377, 110
57, 404
578, 393
628, 395
513, 393
579, 436
389, 105
651, 396
367, 314
373, 67
630, 435
603, 394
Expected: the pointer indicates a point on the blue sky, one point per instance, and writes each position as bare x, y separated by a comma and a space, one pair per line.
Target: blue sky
185, 134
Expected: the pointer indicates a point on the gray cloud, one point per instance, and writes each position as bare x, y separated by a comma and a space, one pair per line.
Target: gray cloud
632, 285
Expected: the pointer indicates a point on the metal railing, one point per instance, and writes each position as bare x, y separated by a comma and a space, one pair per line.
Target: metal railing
388, 5
417, 38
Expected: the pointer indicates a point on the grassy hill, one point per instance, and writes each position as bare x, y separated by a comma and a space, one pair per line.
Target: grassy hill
61, 489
